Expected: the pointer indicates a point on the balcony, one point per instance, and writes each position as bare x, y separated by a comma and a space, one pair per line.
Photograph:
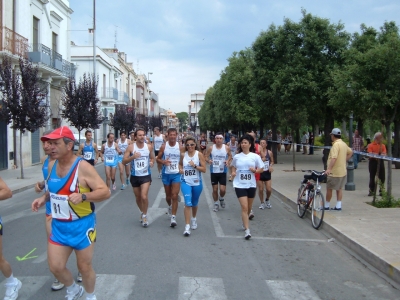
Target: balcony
68, 69
109, 94
142, 111
123, 97
13, 43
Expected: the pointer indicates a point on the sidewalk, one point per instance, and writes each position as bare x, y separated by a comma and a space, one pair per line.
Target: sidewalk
372, 233
32, 175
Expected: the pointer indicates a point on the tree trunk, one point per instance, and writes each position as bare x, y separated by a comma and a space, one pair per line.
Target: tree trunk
389, 162
20, 156
298, 139
360, 127
261, 124
274, 146
294, 155
344, 129
396, 152
328, 126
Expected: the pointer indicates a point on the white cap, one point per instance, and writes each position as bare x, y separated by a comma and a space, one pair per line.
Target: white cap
336, 131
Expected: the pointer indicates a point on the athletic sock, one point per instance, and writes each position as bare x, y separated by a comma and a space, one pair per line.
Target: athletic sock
327, 204
90, 296
73, 287
339, 204
10, 279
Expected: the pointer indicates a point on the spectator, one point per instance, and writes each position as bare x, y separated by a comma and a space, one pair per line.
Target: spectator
376, 147
227, 137
336, 171
304, 141
311, 143
358, 145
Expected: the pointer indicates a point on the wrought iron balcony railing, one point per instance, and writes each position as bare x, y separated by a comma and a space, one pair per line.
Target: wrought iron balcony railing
12, 42
109, 93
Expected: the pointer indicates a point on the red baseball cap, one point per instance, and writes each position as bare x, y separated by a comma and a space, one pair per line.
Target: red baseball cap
59, 133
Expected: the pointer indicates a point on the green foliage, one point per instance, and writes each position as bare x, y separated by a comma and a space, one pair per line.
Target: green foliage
386, 200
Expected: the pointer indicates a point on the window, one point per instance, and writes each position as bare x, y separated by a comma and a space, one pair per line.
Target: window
54, 42
104, 85
35, 33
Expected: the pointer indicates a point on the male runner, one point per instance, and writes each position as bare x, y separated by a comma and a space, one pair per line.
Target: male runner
73, 187
123, 143
265, 177
13, 285
110, 151
219, 156
233, 145
169, 156
203, 143
88, 149
141, 157
158, 141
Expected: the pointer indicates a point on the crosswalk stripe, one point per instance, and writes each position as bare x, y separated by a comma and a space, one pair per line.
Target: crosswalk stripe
30, 286
111, 286
288, 290
199, 288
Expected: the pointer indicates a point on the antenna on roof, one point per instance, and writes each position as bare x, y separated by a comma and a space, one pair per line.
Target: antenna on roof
115, 37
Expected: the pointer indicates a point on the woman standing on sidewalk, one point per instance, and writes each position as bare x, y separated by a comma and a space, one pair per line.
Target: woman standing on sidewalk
192, 162
245, 165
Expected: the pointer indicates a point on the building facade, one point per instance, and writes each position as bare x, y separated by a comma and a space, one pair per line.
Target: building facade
196, 101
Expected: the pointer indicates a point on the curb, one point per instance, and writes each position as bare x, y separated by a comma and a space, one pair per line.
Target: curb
392, 272
21, 189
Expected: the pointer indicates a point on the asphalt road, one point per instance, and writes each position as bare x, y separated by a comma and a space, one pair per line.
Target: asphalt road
285, 259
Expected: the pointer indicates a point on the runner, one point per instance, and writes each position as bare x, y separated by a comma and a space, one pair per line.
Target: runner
88, 149
123, 143
265, 177
158, 141
141, 157
110, 151
219, 156
245, 164
233, 144
203, 143
257, 175
169, 155
73, 187
191, 163
13, 285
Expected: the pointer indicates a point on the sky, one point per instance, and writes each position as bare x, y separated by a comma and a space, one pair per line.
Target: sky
186, 43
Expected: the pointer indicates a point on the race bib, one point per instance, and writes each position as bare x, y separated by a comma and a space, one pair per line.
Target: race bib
110, 159
87, 155
172, 168
190, 175
218, 166
266, 165
59, 207
245, 176
141, 166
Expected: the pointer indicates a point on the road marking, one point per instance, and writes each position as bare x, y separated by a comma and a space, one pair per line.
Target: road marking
30, 286
41, 258
199, 288
26, 257
217, 226
275, 238
110, 286
160, 195
18, 215
288, 290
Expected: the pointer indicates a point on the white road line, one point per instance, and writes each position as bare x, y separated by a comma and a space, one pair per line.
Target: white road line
288, 290
275, 239
110, 286
30, 286
217, 226
22, 214
199, 288
41, 258
160, 195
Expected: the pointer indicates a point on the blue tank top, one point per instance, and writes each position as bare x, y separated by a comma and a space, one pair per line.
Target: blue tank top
88, 151
45, 167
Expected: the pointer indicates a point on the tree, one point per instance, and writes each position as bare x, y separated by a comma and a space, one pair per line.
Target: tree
24, 101
183, 117
123, 118
81, 105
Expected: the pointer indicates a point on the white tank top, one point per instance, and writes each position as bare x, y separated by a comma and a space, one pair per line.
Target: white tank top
218, 157
158, 141
172, 153
110, 154
141, 165
233, 147
191, 175
122, 146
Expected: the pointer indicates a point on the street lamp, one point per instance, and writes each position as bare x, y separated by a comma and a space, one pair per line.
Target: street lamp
350, 186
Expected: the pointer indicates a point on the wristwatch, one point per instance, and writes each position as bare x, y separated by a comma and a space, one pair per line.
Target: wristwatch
195, 166
83, 197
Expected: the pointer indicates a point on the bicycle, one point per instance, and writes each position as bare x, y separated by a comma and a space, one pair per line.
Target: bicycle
310, 197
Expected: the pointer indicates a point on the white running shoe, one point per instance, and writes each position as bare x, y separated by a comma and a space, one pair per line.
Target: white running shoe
251, 215
56, 285
91, 298
145, 223
268, 204
216, 207
222, 202
71, 295
193, 222
247, 234
170, 210
187, 230
159, 176
123, 186
79, 277
114, 187
262, 206
173, 221
12, 289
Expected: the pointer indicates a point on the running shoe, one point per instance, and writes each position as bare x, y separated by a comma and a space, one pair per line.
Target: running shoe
173, 221
123, 186
222, 202
247, 234
127, 181
230, 178
71, 295
187, 230
159, 176
79, 277
91, 298
56, 285
268, 204
141, 217
262, 206
193, 221
145, 223
114, 187
251, 215
12, 289
216, 207
170, 210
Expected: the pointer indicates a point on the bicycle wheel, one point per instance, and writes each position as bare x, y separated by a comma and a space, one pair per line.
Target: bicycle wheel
301, 201
317, 210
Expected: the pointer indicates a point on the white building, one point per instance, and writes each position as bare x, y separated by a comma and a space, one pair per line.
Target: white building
196, 101
38, 30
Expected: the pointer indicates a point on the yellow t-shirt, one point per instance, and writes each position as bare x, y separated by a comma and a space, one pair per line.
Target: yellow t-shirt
339, 151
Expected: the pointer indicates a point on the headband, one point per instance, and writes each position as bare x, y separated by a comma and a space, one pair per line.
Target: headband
219, 136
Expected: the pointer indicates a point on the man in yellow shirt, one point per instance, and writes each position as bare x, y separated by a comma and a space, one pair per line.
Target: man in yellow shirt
339, 154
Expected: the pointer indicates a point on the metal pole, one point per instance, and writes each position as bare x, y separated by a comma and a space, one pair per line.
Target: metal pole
94, 55
350, 186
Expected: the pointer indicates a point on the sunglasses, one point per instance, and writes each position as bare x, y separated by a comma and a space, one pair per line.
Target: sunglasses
191, 145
